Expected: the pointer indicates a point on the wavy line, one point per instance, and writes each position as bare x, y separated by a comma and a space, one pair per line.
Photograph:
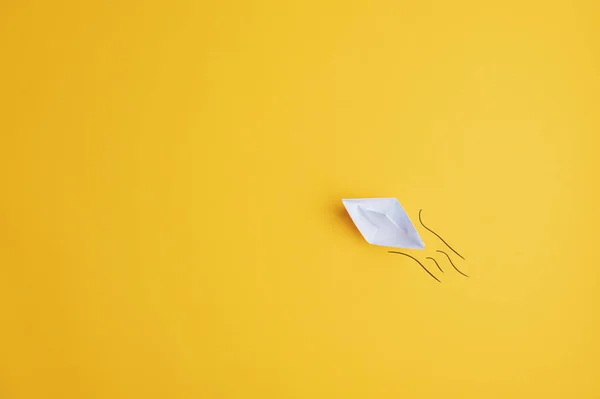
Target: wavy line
448, 256
416, 260
437, 264
438, 236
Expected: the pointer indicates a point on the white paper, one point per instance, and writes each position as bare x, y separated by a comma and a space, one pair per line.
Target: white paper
383, 221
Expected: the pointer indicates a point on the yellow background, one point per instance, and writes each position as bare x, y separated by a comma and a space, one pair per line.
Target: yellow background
170, 215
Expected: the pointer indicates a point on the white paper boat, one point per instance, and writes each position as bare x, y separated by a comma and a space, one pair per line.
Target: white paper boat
382, 221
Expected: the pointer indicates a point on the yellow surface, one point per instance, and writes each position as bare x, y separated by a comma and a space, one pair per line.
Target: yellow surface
170, 217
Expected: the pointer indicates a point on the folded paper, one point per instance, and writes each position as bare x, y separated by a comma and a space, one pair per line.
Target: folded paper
383, 221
